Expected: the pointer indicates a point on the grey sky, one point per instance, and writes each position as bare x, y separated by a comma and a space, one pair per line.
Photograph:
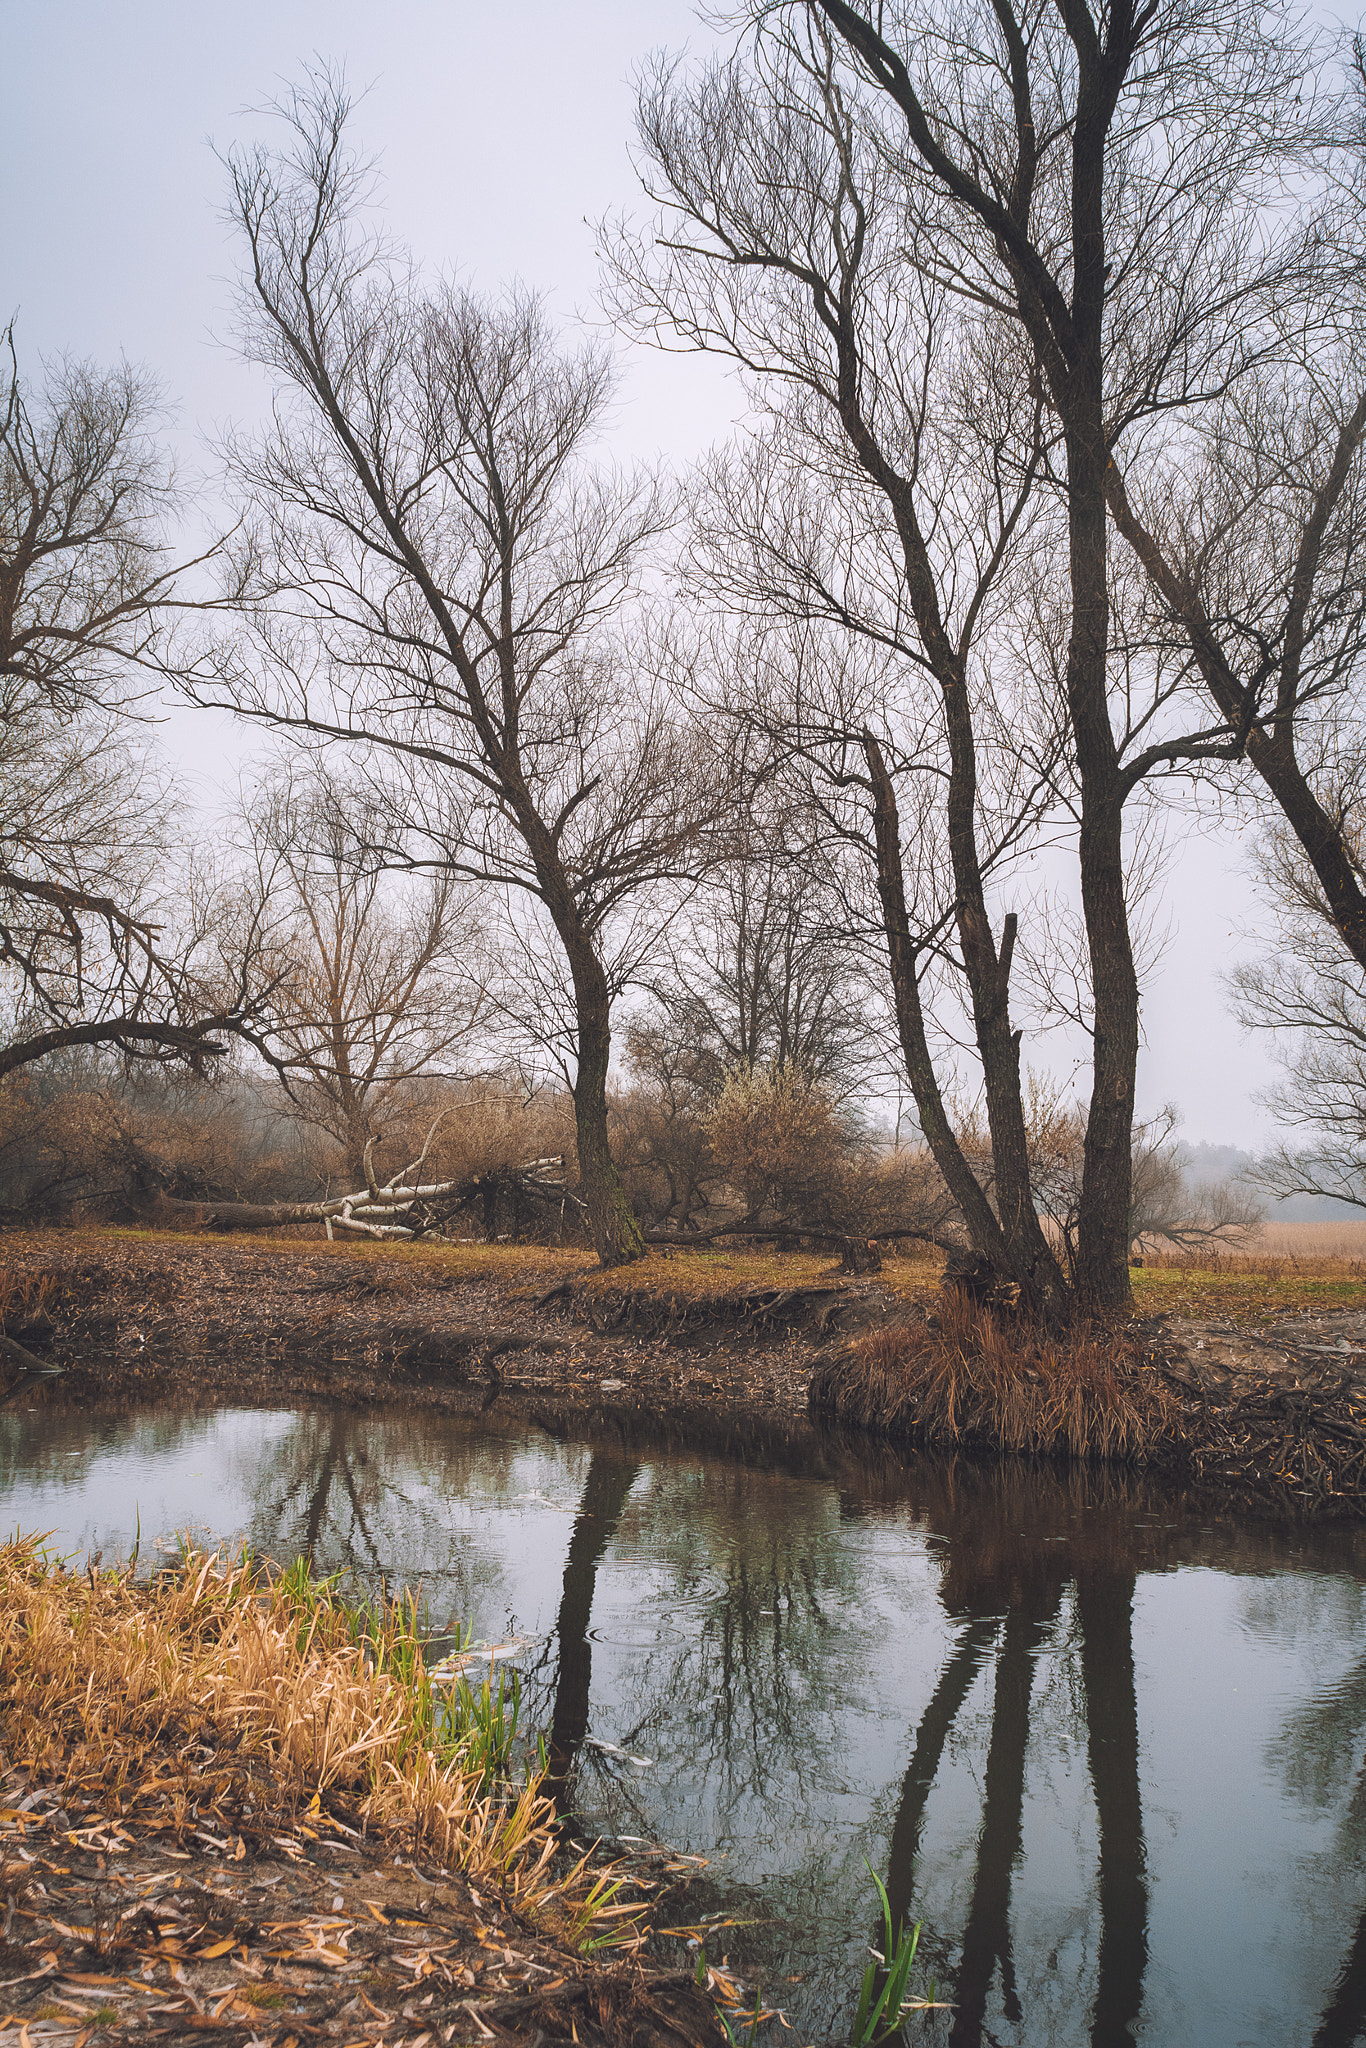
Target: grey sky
504, 134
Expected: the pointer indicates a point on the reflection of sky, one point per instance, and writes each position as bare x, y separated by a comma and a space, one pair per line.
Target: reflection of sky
772, 1655
96, 1485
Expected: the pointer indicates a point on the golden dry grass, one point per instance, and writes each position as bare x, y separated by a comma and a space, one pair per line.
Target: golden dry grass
508, 1263
105, 1682
1257, 1286
694, 1273
1342, 1239
969, 1377
701, 1274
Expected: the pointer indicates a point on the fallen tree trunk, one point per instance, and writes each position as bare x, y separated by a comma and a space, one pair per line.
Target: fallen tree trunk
400, 1207
860, 1254
30, 1370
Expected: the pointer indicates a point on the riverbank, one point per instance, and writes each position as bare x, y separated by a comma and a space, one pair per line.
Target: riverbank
1246, 1378
228, 1802
678, 1339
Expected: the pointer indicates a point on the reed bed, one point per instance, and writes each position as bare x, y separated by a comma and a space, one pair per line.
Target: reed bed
969, 1377
223, 1689
1268, 1260
1339, 1238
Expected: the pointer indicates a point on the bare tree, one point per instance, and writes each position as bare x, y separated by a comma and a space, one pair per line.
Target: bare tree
661, 1124
1085, 188
92, 949
442, 579
1310, 995
1102, 173
756, 972
368, 988
1247, 519
1164, 1208
754, 984
891, 497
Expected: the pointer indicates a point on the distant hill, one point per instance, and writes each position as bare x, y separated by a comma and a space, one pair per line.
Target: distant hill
1204, 1163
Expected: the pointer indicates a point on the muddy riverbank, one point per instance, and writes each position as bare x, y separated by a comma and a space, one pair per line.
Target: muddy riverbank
231, 1803
716, 1350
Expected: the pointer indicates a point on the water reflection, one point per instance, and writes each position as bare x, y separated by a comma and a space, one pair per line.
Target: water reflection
1109, 1755
606, 1486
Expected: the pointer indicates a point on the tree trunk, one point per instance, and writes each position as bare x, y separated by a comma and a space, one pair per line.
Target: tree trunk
1105, 1609
1014, 1243
616, 1233
606, 1488
1107, 1170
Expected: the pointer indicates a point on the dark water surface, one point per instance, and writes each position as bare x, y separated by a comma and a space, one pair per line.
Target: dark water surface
1110, 1755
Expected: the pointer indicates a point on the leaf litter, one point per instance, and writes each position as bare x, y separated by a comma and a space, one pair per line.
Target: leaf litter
193, 1843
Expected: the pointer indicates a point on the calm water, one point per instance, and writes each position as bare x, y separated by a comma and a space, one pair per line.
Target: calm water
1110, 1756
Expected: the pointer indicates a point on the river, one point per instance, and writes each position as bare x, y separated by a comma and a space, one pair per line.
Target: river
1109, 1753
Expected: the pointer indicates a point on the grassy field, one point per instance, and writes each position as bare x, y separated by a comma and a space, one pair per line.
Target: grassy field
1255, 1287
1289, 1268
532, 1268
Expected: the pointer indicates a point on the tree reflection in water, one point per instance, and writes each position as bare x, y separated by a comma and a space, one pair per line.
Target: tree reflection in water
1318, 1753
1105, 1617
751, 1701
374, 1493
763, 1586
605, 1489
1004, 1578
758, 1627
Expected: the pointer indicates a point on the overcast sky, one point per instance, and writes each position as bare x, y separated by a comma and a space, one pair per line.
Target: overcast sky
504, 135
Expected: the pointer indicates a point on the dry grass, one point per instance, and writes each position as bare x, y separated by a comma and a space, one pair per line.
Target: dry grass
1256, 1287
473, 1261
531, 1268
967, 1377
707, 1272
105, 1684
26, 1295
1342, 1239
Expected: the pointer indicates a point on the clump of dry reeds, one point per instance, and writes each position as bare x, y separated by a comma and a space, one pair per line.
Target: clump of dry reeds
102, 1680
26, 1296
973, 1378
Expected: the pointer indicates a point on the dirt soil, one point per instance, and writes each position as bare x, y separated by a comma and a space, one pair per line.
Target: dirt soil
249, 1323
717, 1348
269, 1933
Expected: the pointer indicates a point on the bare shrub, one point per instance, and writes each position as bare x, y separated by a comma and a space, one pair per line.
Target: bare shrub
783, 1144
84, 1138
494, 1123
664, 1154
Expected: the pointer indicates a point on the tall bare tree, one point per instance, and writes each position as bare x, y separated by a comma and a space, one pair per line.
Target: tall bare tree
92, 949
1104, 171
891, 499
368, 988
443, 577
1087, 184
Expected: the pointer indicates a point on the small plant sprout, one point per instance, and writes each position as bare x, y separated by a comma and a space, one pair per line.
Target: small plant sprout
881, 2012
